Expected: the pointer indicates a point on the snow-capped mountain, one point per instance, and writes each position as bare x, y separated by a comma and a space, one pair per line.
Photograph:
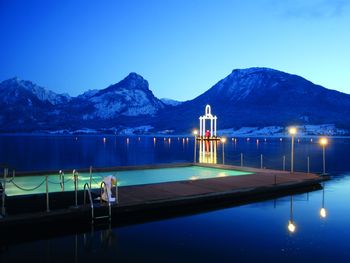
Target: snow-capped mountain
25, 106
259, 97
254, 97
130, 97
14, 89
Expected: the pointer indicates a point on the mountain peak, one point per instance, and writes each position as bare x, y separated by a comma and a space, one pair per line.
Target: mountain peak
134, 75
254, 70
131, 81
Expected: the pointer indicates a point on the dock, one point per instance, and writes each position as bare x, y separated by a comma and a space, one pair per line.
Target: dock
262, 180
144, 202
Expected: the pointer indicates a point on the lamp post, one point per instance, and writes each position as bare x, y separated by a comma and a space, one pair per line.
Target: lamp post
292, 132
195, 133
291, 225
223, 140
323, 142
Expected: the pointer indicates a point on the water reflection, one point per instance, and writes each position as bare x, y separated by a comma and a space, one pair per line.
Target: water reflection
27, 153
104, 238
294, 222
323, 211
291, 223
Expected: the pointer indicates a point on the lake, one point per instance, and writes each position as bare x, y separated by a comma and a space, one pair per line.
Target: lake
246, 233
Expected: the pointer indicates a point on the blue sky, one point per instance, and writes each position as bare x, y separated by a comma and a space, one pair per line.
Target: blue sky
182, 47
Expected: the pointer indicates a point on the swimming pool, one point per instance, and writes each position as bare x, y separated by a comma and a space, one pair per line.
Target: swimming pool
23, 185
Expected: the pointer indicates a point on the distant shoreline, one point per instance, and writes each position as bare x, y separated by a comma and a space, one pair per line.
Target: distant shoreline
166, 135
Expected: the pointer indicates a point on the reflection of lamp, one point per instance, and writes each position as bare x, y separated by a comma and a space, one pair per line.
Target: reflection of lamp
195, 133
323, 142
292, 132
323, 212
223, 140
291, 225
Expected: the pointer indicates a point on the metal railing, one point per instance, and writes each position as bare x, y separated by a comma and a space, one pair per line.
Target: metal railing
103, 187
75, 176
3, 195
61, 178
88, 189
62, 182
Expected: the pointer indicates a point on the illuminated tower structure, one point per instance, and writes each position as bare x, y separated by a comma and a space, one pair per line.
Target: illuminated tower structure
207, 137
202, 121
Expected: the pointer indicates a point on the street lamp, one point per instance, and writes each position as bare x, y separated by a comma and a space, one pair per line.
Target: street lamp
195, 133
223, 140
292, 132
291, 225
323, 142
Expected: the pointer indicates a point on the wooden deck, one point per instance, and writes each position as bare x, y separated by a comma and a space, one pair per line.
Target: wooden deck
164, 197
267, 179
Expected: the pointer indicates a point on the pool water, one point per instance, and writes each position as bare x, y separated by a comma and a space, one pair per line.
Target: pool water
22, 185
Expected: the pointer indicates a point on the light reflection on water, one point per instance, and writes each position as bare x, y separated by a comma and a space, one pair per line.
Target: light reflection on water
243, 233
247, 233
28, 153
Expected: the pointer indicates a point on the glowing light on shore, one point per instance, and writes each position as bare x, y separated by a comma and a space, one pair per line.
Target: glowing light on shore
323, 141
292, 130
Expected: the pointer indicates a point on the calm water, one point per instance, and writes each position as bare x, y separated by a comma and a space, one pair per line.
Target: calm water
247, 233
32, 153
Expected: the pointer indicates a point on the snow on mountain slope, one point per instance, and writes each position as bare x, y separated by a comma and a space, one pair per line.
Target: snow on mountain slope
129, 97
15, 88
280, 131
171, 102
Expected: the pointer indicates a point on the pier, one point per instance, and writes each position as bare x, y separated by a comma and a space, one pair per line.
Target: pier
144, 201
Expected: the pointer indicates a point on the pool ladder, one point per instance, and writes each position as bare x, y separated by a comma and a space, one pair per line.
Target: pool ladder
93, 216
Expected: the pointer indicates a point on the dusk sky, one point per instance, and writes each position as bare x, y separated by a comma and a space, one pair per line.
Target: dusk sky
182, 47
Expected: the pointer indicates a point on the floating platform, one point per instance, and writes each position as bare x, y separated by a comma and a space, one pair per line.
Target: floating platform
139, 202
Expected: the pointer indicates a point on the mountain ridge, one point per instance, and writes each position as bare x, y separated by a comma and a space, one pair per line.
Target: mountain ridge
246, 97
